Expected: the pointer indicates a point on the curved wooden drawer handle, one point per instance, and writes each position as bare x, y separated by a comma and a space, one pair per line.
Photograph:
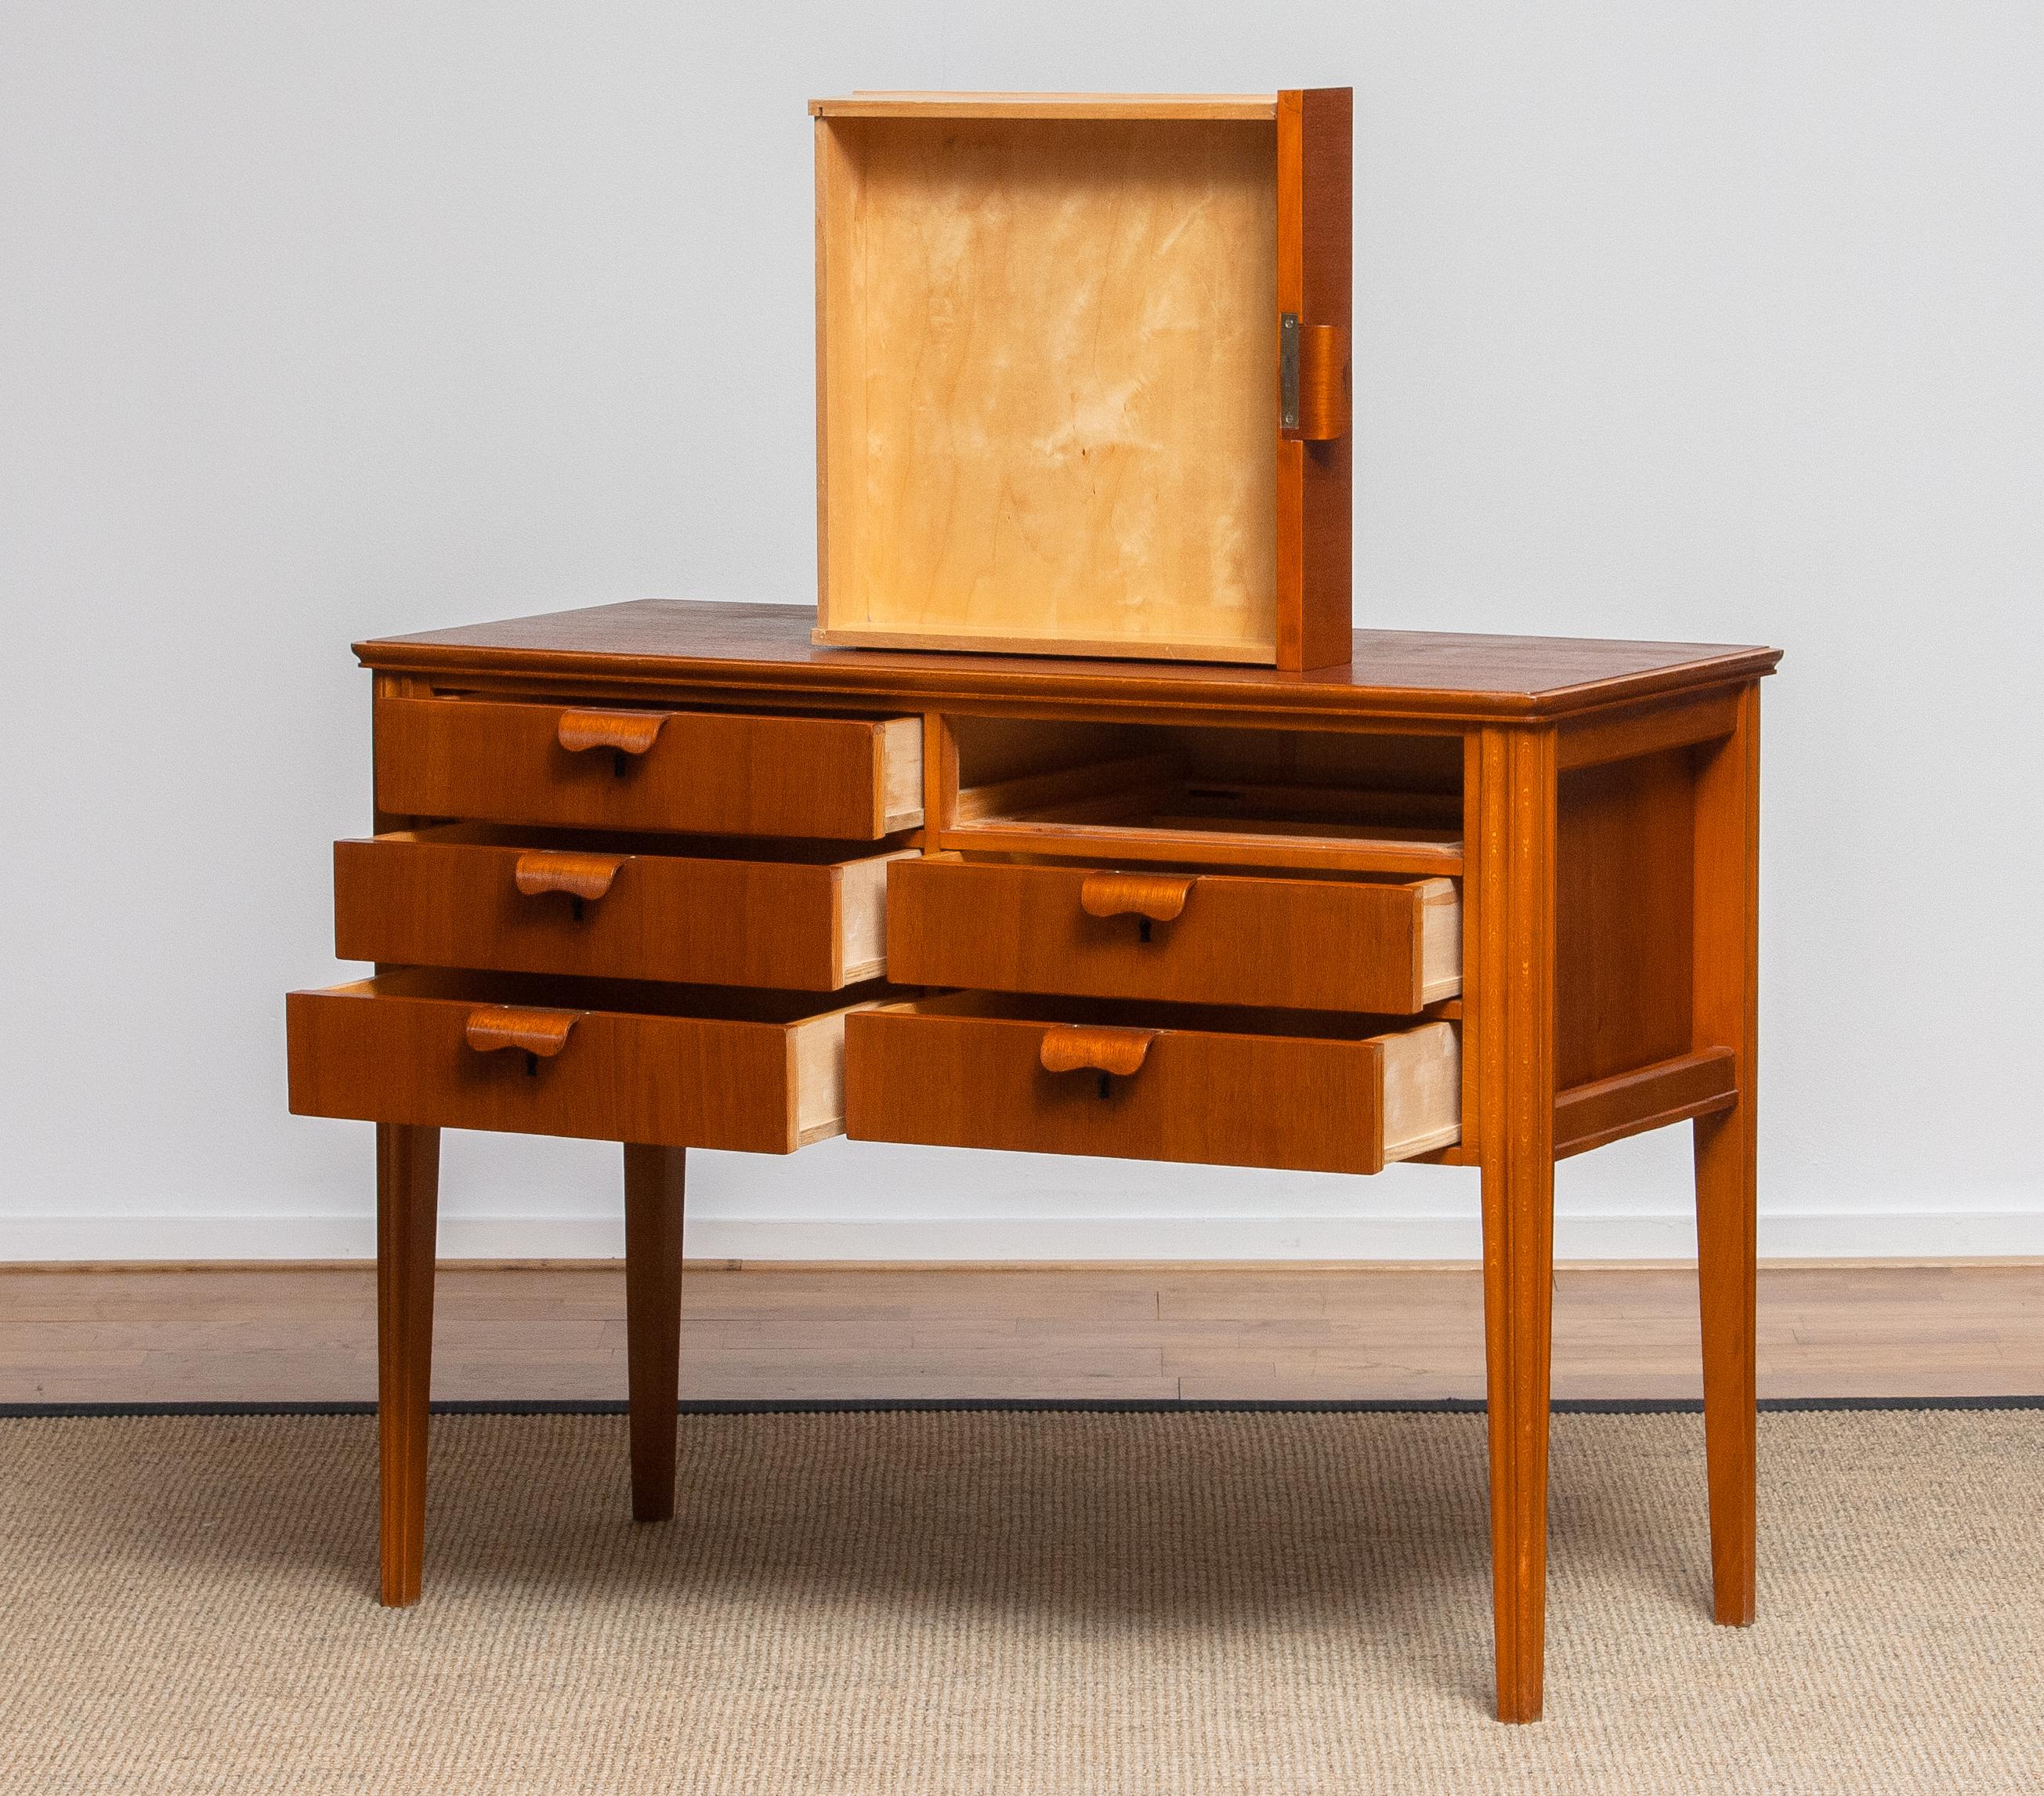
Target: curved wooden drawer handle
561, 870
509, 1025
1158, 896
629, 732
1069, 1048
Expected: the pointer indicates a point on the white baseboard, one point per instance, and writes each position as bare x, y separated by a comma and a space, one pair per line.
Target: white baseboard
1829, 1235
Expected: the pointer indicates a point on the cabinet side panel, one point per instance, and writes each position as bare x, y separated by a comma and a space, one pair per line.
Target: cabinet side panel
1624, 900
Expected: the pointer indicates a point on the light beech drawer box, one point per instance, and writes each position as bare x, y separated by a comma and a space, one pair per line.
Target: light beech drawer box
801, 916
591, 767
1389, 947
1082, 374
676, 1067
1235, 1089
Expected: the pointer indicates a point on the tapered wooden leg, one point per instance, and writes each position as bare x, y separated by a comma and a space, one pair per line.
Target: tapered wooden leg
653, 1189
1513, 1004
408, 1164
1727, 1012
1725, 1275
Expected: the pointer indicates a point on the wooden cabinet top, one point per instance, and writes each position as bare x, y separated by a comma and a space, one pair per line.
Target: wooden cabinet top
1416, 673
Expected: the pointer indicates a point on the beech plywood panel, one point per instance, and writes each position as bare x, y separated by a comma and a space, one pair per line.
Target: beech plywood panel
1048, 384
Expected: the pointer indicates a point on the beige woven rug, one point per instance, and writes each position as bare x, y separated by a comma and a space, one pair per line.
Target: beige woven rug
1001, 1602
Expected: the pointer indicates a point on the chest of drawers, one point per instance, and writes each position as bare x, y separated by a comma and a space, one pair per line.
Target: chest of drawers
670, 874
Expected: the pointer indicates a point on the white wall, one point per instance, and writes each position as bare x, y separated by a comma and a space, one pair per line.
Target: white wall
321, 321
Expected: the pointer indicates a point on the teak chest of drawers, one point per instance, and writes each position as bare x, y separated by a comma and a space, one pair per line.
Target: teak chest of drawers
670, 874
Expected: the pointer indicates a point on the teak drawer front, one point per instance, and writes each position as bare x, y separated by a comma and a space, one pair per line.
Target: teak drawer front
1208, 938
456, 1051
950, 1072
713, 773
455, 898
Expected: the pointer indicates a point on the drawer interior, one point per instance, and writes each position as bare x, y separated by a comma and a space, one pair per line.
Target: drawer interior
787, 850
1162, 793
1117, 1013
737, 1004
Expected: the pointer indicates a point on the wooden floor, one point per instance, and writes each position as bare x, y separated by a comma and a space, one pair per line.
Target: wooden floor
1966, 1330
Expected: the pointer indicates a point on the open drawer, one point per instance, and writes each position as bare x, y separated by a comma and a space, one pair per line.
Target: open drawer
1379, 943
667, 1066
1230, 1088
598, 767
701, 910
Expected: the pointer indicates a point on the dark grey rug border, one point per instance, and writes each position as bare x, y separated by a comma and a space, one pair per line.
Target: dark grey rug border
1084, 1405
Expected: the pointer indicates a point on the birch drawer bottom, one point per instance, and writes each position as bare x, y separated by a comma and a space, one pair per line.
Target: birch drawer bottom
665, 1066
1305, 1090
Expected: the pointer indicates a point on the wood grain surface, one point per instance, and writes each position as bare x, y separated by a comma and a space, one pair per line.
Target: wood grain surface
1412, 675
535, 872
1316, 944
1316, 163
655, 1182
1249, 1331
1602, 821
1154, 898
407, 1228
972, 1071
676, 1066
1048, 383
1510, 1003
629, 732
673, 908
493, 1027
705, 771
1072, 1047
1726, 1014
1624, 902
